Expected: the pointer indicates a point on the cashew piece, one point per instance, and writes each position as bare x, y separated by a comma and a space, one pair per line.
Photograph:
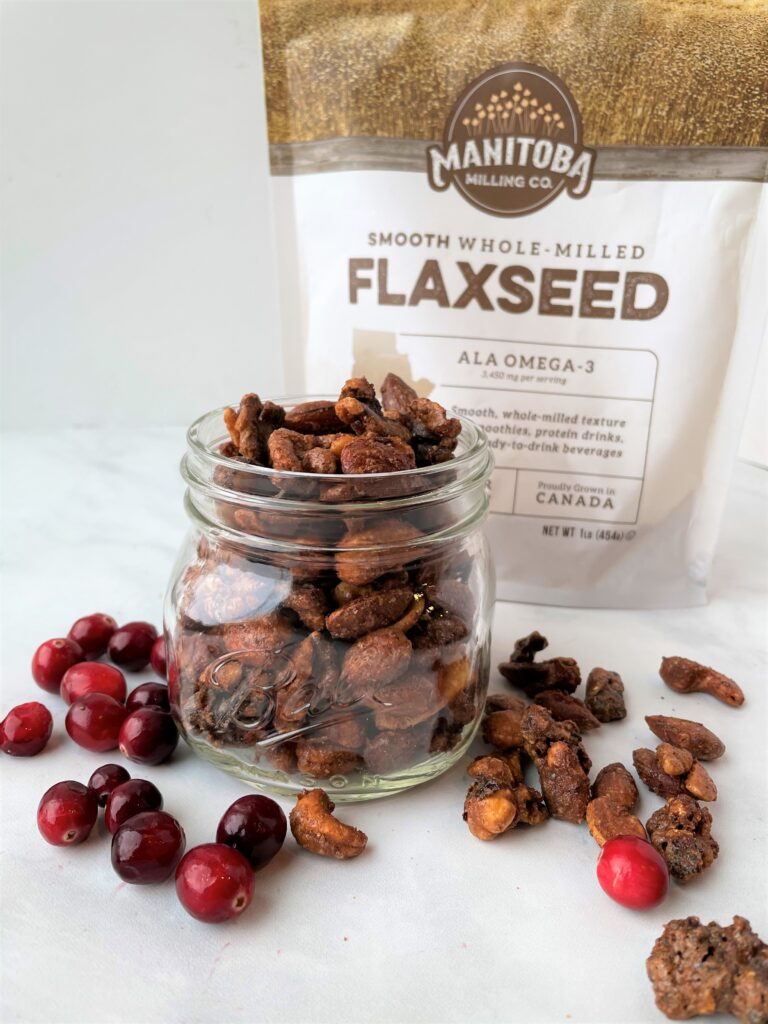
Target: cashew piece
314, 827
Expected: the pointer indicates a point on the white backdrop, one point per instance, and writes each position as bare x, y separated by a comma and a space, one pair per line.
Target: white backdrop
137, 280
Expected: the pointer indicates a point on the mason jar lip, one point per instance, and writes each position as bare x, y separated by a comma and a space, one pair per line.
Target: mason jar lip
477, 446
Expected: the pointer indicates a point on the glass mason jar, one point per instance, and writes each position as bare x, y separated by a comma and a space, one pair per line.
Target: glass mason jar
326, 629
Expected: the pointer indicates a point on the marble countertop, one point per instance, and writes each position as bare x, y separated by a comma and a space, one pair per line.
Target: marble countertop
430, 925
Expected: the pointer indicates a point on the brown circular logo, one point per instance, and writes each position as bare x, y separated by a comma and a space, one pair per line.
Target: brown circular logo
513, 142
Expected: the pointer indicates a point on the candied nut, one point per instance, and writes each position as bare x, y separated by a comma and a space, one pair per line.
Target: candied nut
374, 661
499, 799
698, 969
540, 730
319, 460
366, 554
452, 596
615, 782
361, 389
313, 418
561, 761
363, 418
653, 775
314, 827
490, 808
287, 449
698, 783
345, 732
412, 615
527, 647
565, 707
674, 760
680, 831
269, 633
364, 614
685, 676
310, 604
693, 736
281, 756
436, 631
564, 783
410, 700
373, 454
394, 750
396, 395
504, 702
501, 767
605, 695
554, 674
446, 735
251, 427
323, 761
429, 421
502, 729
453, 678
606, 820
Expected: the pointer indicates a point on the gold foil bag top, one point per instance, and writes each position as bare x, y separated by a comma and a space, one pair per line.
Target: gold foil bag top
643, 72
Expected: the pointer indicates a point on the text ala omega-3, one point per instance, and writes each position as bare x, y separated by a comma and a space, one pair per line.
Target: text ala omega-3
555, 226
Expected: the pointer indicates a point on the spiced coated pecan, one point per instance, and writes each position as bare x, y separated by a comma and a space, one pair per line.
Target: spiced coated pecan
534, 677
372, 454
251, 427
685, 676
565, 707
313, 418
363, 418
605, 695
561, 761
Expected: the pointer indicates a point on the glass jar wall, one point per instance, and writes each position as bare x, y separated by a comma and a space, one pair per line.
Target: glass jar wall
328, 630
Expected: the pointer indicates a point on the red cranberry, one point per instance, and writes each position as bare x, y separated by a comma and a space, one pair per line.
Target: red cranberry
633, 872
154, 695
93, 633
128, 799
254, 825
157, 657
52, 659
67, 813
26, 729
148, 736
214, 882
93, 677
94, 721
106, 779
131, 645
147, 848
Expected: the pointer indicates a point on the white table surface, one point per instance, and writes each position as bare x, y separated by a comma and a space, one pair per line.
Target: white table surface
429, 925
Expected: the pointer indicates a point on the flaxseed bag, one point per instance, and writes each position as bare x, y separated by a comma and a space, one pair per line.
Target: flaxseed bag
549, 216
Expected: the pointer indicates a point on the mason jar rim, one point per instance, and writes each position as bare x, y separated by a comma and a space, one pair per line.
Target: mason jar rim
463, 475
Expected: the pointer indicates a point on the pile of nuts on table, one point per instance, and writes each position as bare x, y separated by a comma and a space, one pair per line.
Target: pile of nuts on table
381, 629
